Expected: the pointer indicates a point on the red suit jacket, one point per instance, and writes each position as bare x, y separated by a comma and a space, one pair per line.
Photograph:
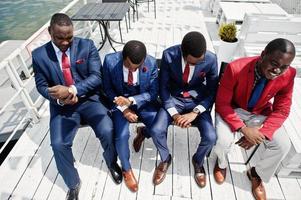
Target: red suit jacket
235, 90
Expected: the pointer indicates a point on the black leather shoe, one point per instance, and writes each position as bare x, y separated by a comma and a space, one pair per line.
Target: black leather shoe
72, 194
116, 173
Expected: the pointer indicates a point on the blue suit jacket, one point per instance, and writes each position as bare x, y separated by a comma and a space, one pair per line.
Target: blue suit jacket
85, 67
202, 85
113, 79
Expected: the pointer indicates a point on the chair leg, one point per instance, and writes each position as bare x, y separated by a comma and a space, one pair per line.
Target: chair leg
252, 154
129, 15
136, 8
126, 24
148, 5
155, 9
120, 31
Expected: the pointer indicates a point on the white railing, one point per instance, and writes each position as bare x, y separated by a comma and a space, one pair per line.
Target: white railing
19, 61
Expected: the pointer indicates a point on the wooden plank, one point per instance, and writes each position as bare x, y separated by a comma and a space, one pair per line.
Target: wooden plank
225, 190
160, 197
148, 164
196, 191
166, 187
181, 171
14, 166
35, 171
86, 168
59, 189
291, 188
241, 183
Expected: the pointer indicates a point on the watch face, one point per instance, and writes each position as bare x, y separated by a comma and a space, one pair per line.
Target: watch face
195, 110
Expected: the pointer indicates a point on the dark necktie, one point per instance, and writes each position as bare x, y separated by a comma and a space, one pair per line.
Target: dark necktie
256, 93
185, 79
66, 70
130, 78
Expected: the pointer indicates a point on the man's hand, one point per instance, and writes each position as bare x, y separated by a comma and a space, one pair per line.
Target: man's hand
130, 115
58, 92
122, 101
244, 143
253, 135
184, 121
70, 100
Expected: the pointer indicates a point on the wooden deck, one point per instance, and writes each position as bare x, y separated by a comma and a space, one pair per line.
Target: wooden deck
29, 172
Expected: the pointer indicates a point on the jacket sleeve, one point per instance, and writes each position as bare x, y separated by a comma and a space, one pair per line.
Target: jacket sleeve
41, 80
94, 80
164, 87
281, 109
211, 86
224, 97
152, 93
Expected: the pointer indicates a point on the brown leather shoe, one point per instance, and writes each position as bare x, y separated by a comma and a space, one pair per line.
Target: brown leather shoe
160, 171
258, 190
219, 173
130, 180
139, 138
199, 174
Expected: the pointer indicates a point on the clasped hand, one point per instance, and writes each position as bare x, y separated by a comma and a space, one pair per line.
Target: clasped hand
122, 101
130, 115
63, 94
184, 121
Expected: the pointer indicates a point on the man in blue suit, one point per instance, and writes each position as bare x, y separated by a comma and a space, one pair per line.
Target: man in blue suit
188, 81
131, 84
68, 73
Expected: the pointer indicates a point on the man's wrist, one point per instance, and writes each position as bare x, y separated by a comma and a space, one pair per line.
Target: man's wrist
241, 129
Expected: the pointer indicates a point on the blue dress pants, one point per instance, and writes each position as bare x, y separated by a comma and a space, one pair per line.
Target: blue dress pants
146, 114
64, 123
203, 122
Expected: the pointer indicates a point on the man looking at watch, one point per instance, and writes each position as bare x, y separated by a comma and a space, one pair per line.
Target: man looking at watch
131, 84
188, 81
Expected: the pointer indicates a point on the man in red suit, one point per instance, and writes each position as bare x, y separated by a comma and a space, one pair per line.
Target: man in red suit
243, 105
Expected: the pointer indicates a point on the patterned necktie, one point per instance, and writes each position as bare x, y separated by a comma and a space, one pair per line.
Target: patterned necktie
256, 93
66, 70
185, 79
130, 78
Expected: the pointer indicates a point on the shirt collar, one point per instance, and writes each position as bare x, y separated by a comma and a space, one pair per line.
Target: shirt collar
57, 50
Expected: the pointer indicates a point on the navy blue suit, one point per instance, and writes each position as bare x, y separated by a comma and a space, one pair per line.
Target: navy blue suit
202, 89
65, 120
145, 95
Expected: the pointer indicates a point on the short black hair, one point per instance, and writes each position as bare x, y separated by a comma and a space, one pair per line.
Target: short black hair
135, 51
60, 19
194, 44
280, 44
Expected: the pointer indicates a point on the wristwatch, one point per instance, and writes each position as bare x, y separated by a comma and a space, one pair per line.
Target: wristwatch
196, 111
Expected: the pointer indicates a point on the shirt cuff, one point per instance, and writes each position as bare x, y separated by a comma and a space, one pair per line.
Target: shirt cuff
172, 111
58, 102
74, 89
132, 99
122, 108
201, 108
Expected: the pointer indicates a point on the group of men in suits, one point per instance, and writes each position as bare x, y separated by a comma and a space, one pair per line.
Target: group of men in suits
69, 73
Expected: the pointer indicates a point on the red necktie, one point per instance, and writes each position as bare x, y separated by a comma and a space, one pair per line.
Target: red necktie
185, 79
66, 70
130, 78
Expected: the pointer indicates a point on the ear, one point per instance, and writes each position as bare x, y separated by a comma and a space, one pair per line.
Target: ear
49, 30
262, 54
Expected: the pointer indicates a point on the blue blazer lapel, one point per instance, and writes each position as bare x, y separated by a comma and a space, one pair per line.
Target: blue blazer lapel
54, 62
143, 77
73, 52
177, 66
119, 76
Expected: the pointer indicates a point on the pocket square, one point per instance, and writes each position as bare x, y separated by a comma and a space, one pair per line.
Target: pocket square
202, 74
79, 61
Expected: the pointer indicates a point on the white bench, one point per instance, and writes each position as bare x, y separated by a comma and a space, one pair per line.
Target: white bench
258, 29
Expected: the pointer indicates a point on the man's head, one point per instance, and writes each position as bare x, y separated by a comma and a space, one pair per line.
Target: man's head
134, 53
276, 58
61, 31
193, 47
